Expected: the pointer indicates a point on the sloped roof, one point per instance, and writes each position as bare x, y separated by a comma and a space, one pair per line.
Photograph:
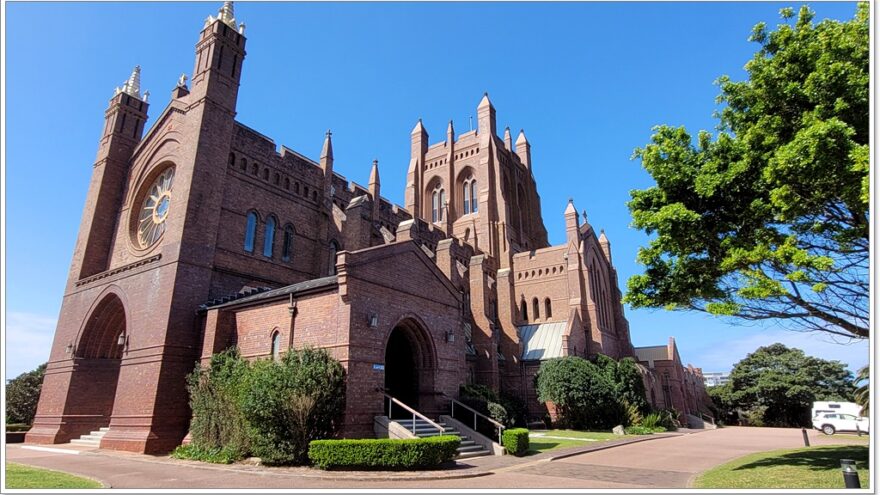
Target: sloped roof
652, 353
542, 341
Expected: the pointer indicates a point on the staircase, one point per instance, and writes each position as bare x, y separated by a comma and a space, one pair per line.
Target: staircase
701, 422
92, 439
468, 447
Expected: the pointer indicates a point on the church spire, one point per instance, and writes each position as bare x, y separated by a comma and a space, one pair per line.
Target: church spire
374, 188
524, 149
327, 150
226, 15
507, 140
132, 86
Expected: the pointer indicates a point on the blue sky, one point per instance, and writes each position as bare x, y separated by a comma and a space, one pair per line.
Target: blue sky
587, 81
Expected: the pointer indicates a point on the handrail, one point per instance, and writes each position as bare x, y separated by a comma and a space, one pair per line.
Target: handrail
706, 416
414, 413
498, 426
478, 413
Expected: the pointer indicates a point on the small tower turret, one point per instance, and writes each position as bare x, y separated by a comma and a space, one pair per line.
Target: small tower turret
605, 244
508, 143
524, 150
418, 149
327, 164
374, 188
486, 116
219, 57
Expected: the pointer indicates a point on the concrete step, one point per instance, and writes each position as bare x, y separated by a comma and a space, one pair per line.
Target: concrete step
88, 443
476, 453
470, 448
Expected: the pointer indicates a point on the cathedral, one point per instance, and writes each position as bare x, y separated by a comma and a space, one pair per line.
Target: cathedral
200, 233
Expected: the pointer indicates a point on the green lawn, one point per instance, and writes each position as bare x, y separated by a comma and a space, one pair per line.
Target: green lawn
809, 467
19, 476
567, 438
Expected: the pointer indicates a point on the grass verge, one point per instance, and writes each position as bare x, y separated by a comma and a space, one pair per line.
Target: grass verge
545, 440
809, 467
20, 476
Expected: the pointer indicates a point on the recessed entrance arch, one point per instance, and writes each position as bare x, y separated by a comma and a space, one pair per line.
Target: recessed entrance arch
409, 366
97, 356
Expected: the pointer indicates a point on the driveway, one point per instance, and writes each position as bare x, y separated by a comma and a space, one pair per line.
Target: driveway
668, 462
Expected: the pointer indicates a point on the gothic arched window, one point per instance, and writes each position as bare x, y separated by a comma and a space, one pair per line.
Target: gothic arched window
524, 310
548, 309
474, 200
535, 309
287, 244
269, 237
438, 201
334, 248
250, 232
276, 346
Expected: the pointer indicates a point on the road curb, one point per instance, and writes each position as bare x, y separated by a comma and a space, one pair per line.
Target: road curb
596, 448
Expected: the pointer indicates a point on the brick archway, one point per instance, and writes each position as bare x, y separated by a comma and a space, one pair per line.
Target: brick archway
409, 364
97, 356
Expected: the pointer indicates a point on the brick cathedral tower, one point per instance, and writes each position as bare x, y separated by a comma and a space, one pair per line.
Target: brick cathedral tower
126, 335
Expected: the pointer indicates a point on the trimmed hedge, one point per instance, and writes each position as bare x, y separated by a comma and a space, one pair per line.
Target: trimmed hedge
516, 441
383, 453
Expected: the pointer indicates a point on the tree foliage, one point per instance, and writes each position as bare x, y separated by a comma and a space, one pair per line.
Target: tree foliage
862, 394
271, 409
22, 395
599, 394
768, 219
782, 383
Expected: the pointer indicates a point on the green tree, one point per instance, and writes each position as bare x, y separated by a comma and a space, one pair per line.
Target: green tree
581, 392
624, 375
783, 383
22, 395
768, 219
862, 394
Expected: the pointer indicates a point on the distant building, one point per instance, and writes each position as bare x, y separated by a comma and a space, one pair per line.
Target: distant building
716, 378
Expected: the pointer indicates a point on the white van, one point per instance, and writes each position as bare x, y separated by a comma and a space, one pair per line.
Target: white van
835, 407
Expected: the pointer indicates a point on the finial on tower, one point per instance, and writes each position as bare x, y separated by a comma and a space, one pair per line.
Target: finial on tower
584, 215
374, 173
132, 87
327, 150
450, 129
485, 101
181, 81
419, 127
226, 16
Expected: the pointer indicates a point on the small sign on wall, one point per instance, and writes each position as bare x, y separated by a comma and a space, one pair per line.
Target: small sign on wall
379, 367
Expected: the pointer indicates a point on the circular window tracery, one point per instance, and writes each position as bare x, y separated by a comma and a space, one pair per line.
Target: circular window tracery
154, 209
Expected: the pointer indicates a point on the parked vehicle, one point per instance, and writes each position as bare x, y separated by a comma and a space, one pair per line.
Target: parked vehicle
830, 423
822, 407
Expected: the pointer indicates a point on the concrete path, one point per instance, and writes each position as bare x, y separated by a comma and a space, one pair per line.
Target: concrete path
669, 462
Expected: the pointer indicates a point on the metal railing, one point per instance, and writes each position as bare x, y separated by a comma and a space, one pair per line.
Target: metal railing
708, 418
392, 401
499, 428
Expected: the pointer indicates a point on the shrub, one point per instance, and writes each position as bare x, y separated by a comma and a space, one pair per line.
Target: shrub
22, 395
582, 393
215, 393
516, 441
631, 414
643, 430
17, 427
625, 377
668, 419
384, 453
217, 455
651, 421
292, 402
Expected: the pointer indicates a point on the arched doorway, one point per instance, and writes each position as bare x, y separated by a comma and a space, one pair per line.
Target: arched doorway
409, 366
97, 356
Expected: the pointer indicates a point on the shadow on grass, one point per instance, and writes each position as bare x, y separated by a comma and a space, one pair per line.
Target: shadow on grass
537, 447
815, 459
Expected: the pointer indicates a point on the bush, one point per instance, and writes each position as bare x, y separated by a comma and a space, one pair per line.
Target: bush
651, 421
215, 395
292, 402
668, 419
22, 395
17, 427
266, 408
643, 430
215, 455
631, 414
417, 453
516, 441
581, 391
